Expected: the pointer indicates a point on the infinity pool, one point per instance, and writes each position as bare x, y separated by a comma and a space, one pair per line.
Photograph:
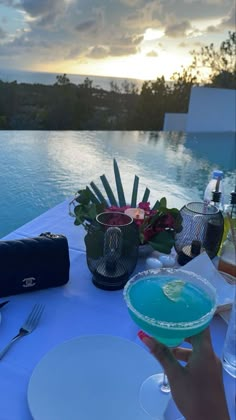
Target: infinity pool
39, 169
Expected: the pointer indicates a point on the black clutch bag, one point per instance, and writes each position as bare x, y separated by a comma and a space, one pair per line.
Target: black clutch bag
33, 263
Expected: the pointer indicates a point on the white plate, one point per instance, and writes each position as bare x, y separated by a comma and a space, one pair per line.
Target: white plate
91, 378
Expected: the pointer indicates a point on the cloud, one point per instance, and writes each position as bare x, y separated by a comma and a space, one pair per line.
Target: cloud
178, 29
152, 54
195, 10
65, 30
183, 45
86, 25
125, 45
2, 34
119, 50
43, 7
98, 52
212, 29
131, 3
74, 52
8, 3
229, 22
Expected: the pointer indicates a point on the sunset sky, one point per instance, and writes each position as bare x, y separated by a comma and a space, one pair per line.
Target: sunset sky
141, 39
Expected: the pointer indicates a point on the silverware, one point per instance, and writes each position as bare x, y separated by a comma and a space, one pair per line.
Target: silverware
29, 325
4, 303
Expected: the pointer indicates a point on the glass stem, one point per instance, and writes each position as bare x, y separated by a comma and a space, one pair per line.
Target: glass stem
165, 387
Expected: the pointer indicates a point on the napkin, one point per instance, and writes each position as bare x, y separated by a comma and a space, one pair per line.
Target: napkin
203, 266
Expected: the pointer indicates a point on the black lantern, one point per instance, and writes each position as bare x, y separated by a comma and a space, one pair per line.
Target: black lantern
203, 227
112, 244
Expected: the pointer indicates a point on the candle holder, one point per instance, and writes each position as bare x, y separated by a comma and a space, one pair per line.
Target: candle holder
203, 227
112, 244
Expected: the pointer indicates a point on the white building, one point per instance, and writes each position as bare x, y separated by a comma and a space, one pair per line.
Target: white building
210, 110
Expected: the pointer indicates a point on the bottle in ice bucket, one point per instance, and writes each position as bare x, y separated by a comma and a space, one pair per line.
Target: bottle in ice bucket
215, 181
227, 257
229, 212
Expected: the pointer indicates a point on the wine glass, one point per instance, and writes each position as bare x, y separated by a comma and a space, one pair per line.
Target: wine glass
170, 305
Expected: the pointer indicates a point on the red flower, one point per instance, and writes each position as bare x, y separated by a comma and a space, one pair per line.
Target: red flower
118, 209
144, 206
149, 229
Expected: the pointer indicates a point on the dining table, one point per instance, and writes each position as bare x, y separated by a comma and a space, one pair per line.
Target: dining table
76, 309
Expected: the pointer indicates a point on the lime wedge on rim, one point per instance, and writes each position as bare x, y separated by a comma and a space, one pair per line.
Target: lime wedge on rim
173, 289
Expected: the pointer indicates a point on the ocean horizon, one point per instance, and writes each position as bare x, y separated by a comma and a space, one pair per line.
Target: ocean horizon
45, 78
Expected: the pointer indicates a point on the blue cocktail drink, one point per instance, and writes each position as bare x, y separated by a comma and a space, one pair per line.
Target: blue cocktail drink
170, 306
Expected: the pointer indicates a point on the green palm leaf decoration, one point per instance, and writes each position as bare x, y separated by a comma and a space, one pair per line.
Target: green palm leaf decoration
98, 193
91, 201
108, 190
119, 185
135, 192
146, 195
93, 197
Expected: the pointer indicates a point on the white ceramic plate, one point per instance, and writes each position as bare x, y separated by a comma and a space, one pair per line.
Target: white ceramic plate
91, 378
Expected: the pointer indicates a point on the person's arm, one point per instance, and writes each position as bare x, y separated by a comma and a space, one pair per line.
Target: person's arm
197, 388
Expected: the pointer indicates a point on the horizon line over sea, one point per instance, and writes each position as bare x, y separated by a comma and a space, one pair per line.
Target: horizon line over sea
47, 78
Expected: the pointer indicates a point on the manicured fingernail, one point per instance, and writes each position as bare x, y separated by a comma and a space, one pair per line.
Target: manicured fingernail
142, 335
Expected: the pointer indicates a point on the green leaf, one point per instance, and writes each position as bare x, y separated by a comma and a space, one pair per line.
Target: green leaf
108, 190
178, 223
77, 222
84, 196
79, 216
91, 212
78, 210
98, 193
163, 202
93, 197
135, 192
156, 205
174, 212
146, 195
119, 185
100, 208
163, 242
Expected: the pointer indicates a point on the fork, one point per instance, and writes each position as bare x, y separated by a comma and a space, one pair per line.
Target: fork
29, 325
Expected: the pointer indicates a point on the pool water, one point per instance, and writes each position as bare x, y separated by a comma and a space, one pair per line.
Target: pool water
39, 169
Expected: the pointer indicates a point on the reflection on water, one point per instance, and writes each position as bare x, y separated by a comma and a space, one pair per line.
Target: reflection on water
40, 169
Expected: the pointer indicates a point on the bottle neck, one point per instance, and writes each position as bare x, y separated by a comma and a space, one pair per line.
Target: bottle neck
232, 211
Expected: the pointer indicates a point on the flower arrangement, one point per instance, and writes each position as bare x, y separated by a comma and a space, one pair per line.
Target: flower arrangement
157, 225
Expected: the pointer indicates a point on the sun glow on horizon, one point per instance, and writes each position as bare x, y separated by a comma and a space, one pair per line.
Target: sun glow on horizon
139, 66
110, 40
152, 34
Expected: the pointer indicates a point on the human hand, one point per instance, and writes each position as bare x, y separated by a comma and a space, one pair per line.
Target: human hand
197, 388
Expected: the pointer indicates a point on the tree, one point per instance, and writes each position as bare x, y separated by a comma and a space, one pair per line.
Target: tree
87, 84
219, 63
151, 107
62, 80
114, 87
181, 89
129, 87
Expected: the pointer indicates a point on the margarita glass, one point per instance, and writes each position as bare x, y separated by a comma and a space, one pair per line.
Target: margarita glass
170, 305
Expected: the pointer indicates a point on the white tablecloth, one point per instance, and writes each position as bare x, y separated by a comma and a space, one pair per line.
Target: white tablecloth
78, 308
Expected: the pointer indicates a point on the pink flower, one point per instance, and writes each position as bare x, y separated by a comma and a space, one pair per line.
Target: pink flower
117, 209
144, 206
150, 229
